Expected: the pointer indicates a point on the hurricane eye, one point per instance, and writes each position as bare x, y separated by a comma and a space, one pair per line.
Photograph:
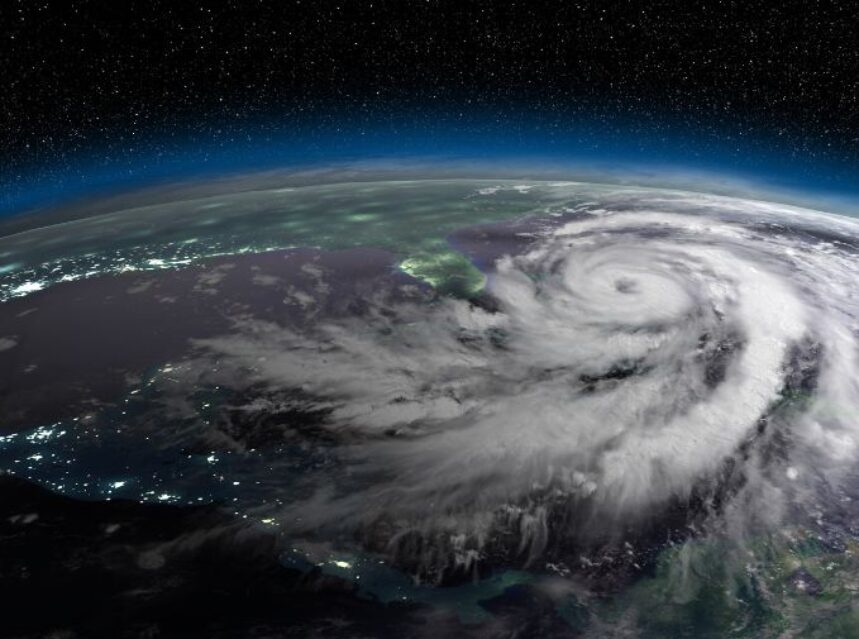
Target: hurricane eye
626, 285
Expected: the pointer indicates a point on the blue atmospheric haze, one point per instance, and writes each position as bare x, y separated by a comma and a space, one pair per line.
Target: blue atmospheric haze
770, 162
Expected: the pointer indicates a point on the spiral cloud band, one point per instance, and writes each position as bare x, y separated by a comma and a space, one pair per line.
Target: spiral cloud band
636, 345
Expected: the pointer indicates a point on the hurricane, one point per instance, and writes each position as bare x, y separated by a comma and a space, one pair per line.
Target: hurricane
643, 361
433, 392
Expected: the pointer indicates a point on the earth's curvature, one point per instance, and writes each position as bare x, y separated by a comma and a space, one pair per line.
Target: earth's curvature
634, 407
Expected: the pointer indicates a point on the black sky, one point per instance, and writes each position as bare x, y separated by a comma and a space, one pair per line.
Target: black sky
80, 74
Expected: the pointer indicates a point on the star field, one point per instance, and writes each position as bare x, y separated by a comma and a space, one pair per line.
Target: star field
120, 77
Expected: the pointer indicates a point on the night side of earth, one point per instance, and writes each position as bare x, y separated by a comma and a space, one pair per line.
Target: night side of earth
355, 403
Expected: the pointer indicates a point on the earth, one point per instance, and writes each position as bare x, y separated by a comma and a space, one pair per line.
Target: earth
430, 407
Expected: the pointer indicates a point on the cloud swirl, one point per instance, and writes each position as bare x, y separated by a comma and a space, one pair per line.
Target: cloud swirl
640, 344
